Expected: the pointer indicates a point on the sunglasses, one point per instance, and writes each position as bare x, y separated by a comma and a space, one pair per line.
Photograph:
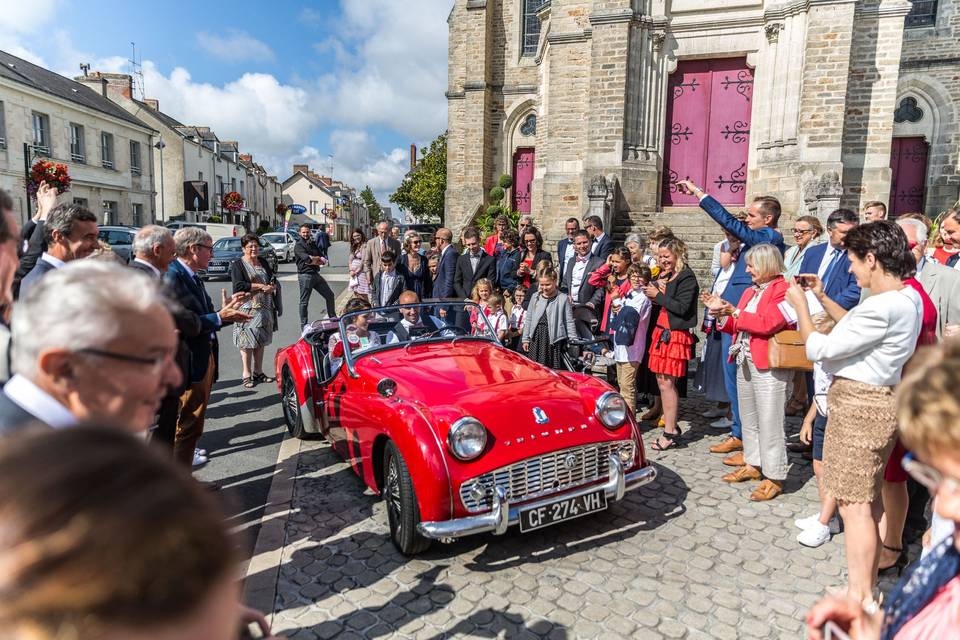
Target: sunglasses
929, 477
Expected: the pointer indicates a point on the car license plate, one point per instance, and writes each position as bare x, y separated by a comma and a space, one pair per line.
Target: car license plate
217, 268
561, 510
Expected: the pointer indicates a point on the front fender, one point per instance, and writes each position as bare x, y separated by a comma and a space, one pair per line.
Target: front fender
408, 425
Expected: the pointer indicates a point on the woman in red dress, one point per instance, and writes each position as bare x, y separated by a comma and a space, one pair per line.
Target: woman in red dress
676, 291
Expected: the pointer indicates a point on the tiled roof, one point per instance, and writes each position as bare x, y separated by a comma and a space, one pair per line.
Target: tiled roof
160, 115
20, 71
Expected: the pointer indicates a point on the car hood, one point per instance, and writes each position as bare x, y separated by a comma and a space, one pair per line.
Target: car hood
223, 254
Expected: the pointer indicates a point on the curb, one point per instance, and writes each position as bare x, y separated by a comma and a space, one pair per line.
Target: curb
263, 570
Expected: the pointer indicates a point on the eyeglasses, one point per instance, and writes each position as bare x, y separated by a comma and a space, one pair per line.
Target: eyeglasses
929, 477
205, 246
800, 232
414, 242
155, 361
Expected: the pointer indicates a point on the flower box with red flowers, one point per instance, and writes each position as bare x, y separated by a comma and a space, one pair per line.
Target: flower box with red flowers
55, 175
233, 201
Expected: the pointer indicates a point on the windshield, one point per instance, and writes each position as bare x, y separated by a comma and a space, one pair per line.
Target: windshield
227, 244
276, 238
405, 325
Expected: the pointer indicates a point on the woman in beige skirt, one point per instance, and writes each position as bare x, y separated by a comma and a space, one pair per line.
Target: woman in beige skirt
865, 353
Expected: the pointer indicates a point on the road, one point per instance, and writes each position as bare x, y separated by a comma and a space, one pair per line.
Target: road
244, 427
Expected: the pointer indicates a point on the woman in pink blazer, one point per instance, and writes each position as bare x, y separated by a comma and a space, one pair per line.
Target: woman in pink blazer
761, 391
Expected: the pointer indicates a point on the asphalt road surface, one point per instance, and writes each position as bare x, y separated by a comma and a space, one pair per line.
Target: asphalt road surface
244, 427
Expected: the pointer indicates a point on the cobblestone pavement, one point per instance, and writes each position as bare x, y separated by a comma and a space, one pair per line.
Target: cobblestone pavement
686, 557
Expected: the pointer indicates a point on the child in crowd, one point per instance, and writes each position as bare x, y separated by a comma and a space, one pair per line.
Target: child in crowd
631, 315
508, 261
496, 316
817, 529
481, 293
515, 329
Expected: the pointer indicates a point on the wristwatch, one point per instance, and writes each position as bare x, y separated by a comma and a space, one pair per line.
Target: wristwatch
735, 314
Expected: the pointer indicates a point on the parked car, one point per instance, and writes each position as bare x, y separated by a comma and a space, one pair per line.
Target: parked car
227, 250
458, 434
120, 240
282, 244
215, 229
426, 231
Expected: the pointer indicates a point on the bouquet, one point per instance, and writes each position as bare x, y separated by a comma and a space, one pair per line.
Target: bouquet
53, 174
281, 209
233, 202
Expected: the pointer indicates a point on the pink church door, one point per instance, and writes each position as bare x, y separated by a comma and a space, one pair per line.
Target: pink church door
709, 108
908, 166
522, 179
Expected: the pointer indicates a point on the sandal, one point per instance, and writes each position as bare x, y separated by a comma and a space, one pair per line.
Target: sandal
248, 383
262, 377
897, 566
671, 439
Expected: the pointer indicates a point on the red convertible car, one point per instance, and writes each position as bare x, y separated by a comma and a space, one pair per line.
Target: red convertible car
459, 434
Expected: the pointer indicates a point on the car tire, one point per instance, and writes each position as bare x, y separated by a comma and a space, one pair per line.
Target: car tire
291, 407
403, 512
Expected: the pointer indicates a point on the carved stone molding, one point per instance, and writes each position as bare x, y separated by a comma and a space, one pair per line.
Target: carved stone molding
613, 17
657, 39
772, 31
570, 37
476, 4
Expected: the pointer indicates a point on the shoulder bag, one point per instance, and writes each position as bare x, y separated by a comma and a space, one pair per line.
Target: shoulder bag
787, 350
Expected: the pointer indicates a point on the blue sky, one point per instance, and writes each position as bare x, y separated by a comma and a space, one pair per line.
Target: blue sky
292, 81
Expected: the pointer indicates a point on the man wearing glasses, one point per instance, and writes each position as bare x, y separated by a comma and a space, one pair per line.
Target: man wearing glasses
194, 250
94, 342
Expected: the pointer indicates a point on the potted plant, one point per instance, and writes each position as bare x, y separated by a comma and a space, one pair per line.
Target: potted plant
233, 202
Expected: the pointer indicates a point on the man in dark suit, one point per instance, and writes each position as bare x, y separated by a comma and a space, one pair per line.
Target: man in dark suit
154, 249
602, 246
760, 227
322, 240
446, 265
829, 262
387, 284
565, 250
32, 244
70, 233
309, 259
586, 298
71, 372
194, 250
472, 265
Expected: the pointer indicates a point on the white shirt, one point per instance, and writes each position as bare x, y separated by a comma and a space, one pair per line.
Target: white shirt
516, 317
152, 268
499, 322
576, 278
387, 283
38, 402
596, 243
825, 261
634, 352
393, 338
56, 262
873, 341
569, 252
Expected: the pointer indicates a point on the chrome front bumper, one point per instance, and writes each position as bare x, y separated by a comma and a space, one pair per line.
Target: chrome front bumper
502, 515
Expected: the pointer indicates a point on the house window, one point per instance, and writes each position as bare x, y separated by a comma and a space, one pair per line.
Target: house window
219, 188
3, 128
200, 176
923, 14
109, 212
137, 214
106, 150
242, 194
135, 166
233, 184
82, 202
77, 143
41, 133
531, 25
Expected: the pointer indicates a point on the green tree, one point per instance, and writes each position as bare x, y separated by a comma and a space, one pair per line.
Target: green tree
422, 191
370, 201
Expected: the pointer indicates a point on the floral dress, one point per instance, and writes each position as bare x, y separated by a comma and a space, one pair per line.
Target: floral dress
358, 279
258, 330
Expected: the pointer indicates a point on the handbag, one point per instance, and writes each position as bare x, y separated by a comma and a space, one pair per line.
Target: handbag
787, 350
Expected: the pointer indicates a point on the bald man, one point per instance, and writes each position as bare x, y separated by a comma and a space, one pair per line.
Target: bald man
447, 265
411, 324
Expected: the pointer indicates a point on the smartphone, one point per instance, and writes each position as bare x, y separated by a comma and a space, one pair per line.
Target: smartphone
682, 188
252, 631
804, 281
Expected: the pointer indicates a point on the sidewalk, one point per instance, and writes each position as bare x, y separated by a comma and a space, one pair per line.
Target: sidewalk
686, 557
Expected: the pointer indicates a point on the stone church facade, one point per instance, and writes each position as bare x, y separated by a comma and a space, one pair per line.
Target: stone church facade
601, 105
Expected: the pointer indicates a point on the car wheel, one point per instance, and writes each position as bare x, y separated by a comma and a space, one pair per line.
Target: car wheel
291, 406
403, 513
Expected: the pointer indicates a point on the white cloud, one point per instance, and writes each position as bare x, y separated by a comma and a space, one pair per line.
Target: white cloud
310, 17
234, 46
21, 20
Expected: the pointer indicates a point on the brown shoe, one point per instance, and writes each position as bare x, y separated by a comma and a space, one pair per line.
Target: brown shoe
768, 490
742, 474
736, 460
729, 445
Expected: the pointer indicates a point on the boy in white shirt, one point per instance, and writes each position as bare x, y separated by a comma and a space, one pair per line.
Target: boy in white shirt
629, 355
496, 316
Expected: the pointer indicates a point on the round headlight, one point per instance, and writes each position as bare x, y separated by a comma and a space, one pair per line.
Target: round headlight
467, 438
611, 410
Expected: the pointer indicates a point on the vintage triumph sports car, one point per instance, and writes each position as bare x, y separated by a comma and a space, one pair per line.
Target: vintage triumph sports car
459, 434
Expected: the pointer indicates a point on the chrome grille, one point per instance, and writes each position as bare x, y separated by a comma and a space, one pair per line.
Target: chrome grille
543, 475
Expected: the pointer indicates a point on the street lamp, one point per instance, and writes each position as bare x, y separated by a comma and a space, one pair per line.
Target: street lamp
163, 211
29, 153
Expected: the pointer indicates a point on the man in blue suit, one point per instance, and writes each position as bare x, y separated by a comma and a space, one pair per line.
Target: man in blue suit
760, 227
565, 250
194, 250
446, 265
830, 263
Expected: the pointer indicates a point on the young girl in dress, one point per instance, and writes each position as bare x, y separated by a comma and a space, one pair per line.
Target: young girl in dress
549, 322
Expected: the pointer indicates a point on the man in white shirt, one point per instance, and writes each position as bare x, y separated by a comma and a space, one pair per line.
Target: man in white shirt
602, 246
71, 233
410, 324
94, 342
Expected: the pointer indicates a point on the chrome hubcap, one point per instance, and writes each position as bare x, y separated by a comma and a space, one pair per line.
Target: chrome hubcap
290, 404
393, 493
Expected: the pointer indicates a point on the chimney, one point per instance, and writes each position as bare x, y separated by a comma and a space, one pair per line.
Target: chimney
115, 83
301, 167
153, 103
246, 157
413, 157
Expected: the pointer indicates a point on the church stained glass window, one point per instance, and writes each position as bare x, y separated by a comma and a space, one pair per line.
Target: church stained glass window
923, 14
531, 25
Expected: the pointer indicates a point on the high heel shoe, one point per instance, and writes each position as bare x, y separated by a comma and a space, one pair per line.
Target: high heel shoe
897, 567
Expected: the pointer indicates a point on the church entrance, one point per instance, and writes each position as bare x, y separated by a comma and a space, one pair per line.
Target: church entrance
709, 108
522, 179
908, 167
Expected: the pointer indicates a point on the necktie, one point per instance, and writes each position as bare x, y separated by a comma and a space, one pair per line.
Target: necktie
582, 258
830, 267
